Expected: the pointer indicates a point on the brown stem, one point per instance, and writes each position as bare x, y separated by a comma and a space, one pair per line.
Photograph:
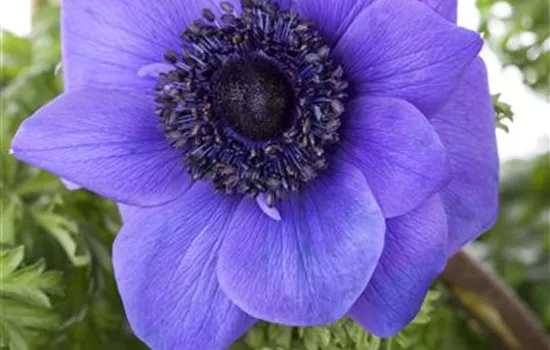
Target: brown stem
37, 6
493, 305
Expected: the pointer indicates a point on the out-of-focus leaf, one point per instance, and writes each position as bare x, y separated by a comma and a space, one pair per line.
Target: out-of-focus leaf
411, 335
15, 55
65, 232
518, 31
20, 324
342, 335
29, 284
25, 305
40, 183
503, 113
10, 209
10, 260
517, 248
23, 315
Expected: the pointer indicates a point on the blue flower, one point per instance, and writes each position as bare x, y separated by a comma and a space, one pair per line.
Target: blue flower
293, 161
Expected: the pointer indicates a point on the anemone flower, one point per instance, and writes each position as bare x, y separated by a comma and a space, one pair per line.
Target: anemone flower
294, 161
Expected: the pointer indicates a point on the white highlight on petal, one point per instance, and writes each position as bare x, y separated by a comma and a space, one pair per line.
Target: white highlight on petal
272, 212
154, 70
71, 186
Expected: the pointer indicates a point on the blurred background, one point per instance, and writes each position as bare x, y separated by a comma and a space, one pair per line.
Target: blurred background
57, 287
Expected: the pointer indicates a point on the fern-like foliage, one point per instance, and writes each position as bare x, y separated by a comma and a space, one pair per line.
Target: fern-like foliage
26, 308
343, 335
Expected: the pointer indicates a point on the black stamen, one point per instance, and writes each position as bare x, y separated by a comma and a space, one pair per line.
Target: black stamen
254, 100
227, 6
209, 15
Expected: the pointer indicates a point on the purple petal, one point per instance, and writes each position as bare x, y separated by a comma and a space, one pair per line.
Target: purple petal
286, 4
397, 150
164, 260
402, 48
106, 42
272, 212
414, 254
466, 126
310, 267
332, 17
155, 70
106, 141
446, 8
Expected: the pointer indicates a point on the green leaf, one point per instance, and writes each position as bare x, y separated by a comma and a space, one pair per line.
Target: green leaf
8, 215
65, 232
20, 323
10, 260
503, 113
410, 336
10, 336
16, 53
316, 338
519, 35
279, 336
23, 315
40, 183
342, 335
29, 284
24, 301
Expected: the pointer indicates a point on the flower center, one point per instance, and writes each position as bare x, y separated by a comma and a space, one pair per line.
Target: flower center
254, 97
253, 102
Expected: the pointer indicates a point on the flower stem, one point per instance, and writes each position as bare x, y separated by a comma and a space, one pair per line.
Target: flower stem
493, 305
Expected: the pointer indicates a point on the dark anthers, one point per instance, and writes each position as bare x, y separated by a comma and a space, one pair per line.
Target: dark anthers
216, 143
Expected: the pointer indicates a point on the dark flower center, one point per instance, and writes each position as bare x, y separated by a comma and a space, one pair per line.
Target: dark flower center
254, 97
253, 103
